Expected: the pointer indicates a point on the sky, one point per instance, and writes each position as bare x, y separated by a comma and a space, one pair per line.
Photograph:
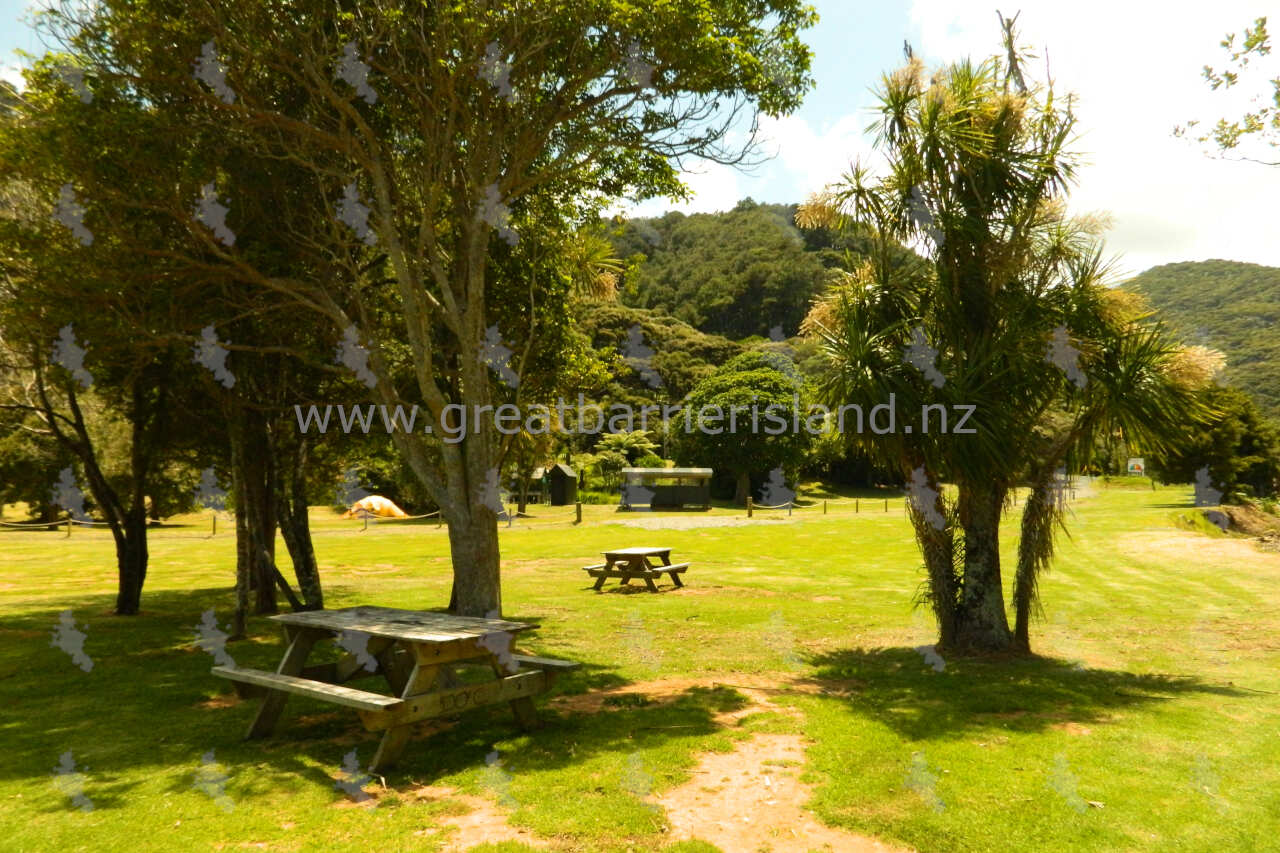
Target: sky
1134, 66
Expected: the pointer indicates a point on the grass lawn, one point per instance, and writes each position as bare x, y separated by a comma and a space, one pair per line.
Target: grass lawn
1151, 720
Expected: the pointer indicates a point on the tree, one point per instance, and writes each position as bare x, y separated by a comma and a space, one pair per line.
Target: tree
739, 273
59, 293
742, 419
467, 134
1239, 447
632, 445
136, 287
1260, 122
1006, 323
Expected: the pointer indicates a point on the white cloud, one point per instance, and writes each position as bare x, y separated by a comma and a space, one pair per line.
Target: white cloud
1136, 69
811, 159
800, 157
714, 188
13, 74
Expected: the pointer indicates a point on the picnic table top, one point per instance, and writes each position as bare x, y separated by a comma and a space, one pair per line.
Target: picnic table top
636, 552
417, 626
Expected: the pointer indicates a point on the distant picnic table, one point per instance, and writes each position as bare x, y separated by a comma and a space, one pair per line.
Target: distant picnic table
415, 652
629, 564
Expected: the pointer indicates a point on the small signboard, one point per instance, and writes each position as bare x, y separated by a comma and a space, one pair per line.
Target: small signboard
1137, 466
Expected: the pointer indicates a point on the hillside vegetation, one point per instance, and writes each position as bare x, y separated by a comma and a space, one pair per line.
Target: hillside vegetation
747, 271
1228, 305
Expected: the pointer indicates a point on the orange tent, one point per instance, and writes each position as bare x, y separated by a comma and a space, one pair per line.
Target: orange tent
376, 506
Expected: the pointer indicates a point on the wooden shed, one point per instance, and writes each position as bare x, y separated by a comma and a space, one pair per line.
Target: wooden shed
666, 487
562, 484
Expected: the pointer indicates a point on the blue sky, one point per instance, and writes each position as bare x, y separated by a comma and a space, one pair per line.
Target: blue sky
1135, 67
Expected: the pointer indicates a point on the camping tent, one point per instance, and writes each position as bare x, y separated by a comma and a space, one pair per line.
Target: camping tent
375, 506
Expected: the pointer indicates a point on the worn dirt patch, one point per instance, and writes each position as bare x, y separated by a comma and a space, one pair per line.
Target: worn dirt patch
224, 700
657, 691
752, 799
483, 823
1179, 546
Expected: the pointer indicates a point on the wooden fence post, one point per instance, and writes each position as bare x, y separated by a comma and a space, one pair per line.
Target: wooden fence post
886, 504
789, 505
68, 527
748, 506
857, 505
215, 523
824, 507
577, 507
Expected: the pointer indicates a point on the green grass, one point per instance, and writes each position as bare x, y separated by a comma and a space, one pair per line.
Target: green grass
1155, 694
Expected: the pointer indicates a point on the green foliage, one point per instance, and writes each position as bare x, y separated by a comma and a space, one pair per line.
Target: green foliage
742, 272
735, 274
682, 355
632, 445
1239, 447
1260, 122
1229, 306
728, 440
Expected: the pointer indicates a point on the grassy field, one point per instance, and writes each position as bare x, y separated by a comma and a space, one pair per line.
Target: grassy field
1150, 720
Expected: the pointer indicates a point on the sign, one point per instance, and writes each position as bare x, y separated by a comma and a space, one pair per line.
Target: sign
1137, 466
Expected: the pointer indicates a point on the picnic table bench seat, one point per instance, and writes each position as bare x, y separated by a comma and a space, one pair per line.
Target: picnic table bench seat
361, 700
547, 664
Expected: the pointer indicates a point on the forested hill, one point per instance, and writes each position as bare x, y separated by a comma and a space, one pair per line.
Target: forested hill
1231, 306
739, 273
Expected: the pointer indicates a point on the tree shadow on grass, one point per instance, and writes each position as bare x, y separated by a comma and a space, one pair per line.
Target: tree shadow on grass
563, 738
896, 687
149, 705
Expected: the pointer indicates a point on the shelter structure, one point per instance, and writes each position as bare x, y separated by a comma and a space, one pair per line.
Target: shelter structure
668, 488
562, 484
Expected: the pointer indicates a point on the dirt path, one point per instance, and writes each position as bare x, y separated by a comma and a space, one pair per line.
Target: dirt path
752, 799
484, 823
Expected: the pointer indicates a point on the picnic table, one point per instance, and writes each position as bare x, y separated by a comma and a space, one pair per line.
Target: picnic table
415, 652
629, 564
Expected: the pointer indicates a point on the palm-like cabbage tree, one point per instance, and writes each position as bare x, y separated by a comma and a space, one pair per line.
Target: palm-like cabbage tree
1009, 314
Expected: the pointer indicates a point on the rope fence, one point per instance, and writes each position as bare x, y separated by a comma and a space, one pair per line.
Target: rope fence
572, 514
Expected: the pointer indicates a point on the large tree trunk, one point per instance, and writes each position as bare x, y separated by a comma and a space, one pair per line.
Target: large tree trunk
244, 557
131, 562
473, 526
473, 548
981, 622
295, 527
741, 488
523, 500
254, 472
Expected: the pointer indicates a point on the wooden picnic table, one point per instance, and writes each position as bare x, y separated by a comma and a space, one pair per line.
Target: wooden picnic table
629, 564
415, 652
